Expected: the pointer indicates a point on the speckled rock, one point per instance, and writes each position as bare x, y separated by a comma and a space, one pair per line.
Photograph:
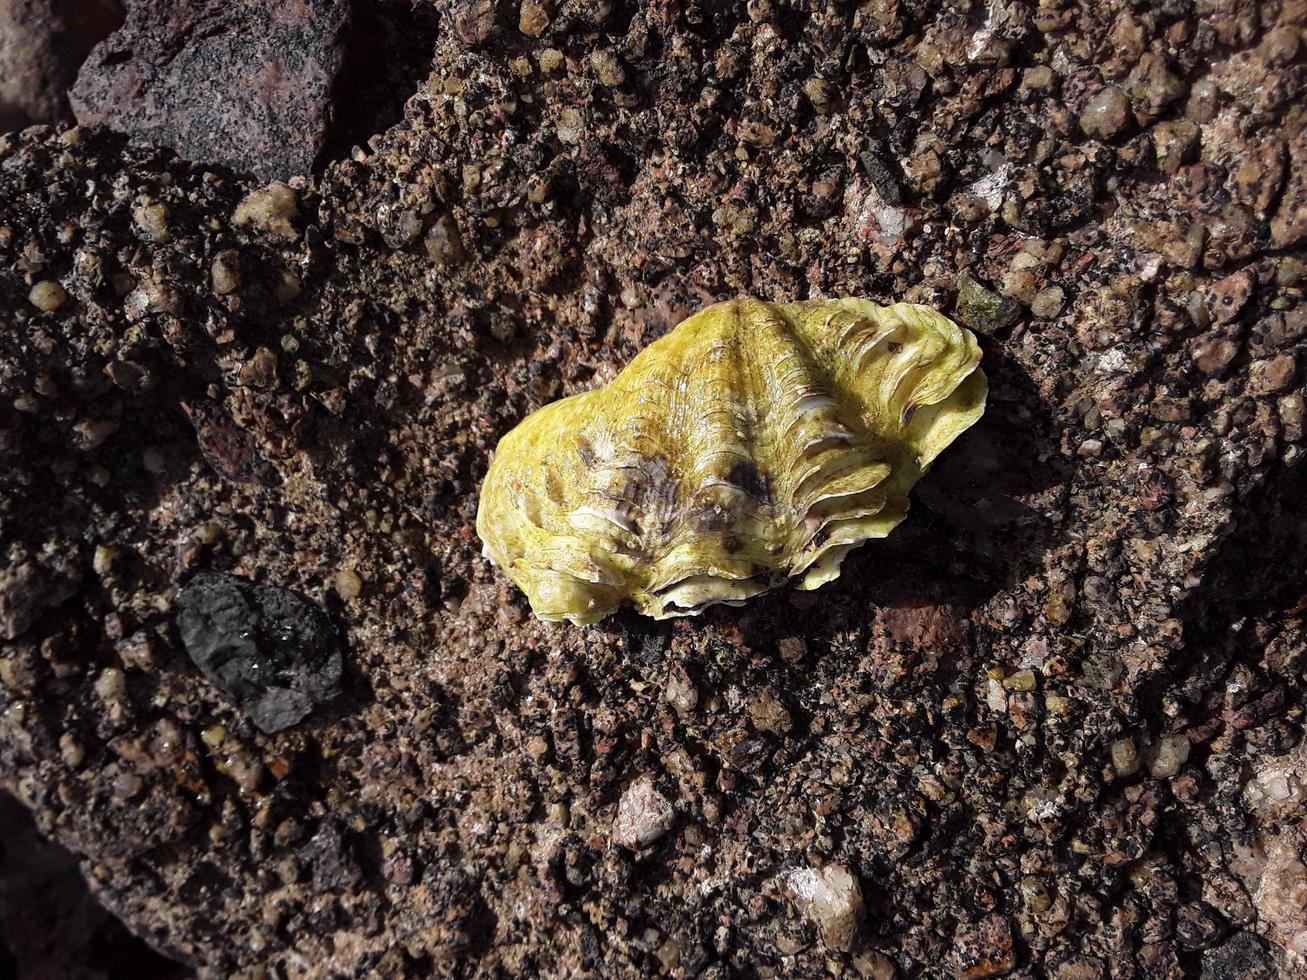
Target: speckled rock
248, 85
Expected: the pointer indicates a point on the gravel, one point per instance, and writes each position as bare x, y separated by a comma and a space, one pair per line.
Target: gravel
984, 722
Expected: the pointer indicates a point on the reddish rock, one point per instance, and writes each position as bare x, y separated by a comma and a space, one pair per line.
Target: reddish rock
927, 626
1231, 294
984, 950
42, 43
246, 84
1215, 355
1289, 225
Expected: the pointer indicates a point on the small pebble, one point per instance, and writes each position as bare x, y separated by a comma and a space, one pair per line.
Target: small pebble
1047, 303
1167, 756
151, 220
831, 897
533, 18
1022, 680
768, 713
571, 126
443, 243
110, 685
982, 309
71, 750
47, 295
103, 559
1125, 757
226, 272
607, 68
819, 93
1273, 375
643, 815
348, 584
93, 433
272, 209
1106, 114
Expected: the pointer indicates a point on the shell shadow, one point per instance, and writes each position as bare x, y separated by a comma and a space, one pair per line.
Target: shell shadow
981, 520
1260, 566
1251, 589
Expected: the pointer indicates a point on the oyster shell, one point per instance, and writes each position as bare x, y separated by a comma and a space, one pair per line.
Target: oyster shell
753, 443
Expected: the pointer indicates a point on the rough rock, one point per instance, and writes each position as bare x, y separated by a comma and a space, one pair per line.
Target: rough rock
50, 923
276, 656
30, 588
983, 949
643, 815
42, 44
982, 309
1243, 955
830, 896
248, 85
1107, 114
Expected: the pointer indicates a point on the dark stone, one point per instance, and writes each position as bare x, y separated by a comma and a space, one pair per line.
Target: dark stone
1243, 955
982, 309
272, 652
332, 864
246, 84
885, 176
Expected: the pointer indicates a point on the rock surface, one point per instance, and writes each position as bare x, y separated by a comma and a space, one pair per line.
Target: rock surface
247, 84
42, 44
984, 721
50, 926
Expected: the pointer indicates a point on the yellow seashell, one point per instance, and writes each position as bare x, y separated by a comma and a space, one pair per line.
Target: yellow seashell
753, 443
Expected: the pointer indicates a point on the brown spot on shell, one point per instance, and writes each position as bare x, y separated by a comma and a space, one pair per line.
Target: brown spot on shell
751, 478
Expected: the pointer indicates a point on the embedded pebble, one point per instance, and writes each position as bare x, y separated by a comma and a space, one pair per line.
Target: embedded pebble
1047, 303
226, 272
151, 218
831, 897
47, 295
1167, 755
273, 210
533, 17
643, 815
1105, 115
444, 244
982, 309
